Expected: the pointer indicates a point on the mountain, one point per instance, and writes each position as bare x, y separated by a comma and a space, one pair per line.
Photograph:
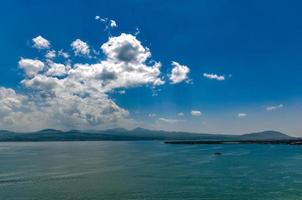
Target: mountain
4, 134
135, 134
265, 135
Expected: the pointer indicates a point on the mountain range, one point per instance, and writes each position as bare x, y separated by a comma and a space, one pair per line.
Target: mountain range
119, 134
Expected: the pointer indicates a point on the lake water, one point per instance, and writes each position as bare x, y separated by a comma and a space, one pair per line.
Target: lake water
148, 170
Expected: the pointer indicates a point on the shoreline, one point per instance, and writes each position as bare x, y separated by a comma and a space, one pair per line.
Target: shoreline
192, 142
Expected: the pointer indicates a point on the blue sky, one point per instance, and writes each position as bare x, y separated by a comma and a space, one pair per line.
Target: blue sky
255, 46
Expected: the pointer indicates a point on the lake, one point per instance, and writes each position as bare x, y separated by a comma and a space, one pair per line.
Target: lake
148, 170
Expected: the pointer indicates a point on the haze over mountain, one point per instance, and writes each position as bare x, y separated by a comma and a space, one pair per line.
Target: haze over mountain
135, 134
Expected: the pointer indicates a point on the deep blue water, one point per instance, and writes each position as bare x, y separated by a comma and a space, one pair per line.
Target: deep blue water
148, 170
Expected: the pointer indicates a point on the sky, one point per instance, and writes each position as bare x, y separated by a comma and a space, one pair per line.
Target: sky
202, 66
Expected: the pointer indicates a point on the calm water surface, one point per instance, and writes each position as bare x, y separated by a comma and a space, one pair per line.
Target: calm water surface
148, 170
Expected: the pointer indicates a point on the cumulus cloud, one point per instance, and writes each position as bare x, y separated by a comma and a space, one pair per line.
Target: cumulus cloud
65, 111
80, 47
9, 100
125, 48
214, 76
57, 69
74, 95
126, 63
196, 113
241, 115
40, 43
179, 73
31, 67
275, 107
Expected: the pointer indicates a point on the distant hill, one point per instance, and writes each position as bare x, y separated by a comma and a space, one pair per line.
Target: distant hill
135, 134
265, 135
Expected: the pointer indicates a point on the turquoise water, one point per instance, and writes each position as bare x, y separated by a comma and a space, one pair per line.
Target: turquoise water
148, 170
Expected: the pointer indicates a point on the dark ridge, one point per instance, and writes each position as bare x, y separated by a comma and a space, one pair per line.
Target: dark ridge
266, 135
49, 131
138, 134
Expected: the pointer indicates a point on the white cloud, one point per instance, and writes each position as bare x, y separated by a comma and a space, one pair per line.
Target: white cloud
214, 76
109, 23
72, 95
137, 31
80, 47
241, 115
126, 63
57, 69
30, 66
168, 120
151, 115
196, 113
180, 114
63, 54
9, 100
113, 23
125, 48
51, 54
122, 92
275, 107
40, 43
63, 112
179, 73
99, 18
43, 83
